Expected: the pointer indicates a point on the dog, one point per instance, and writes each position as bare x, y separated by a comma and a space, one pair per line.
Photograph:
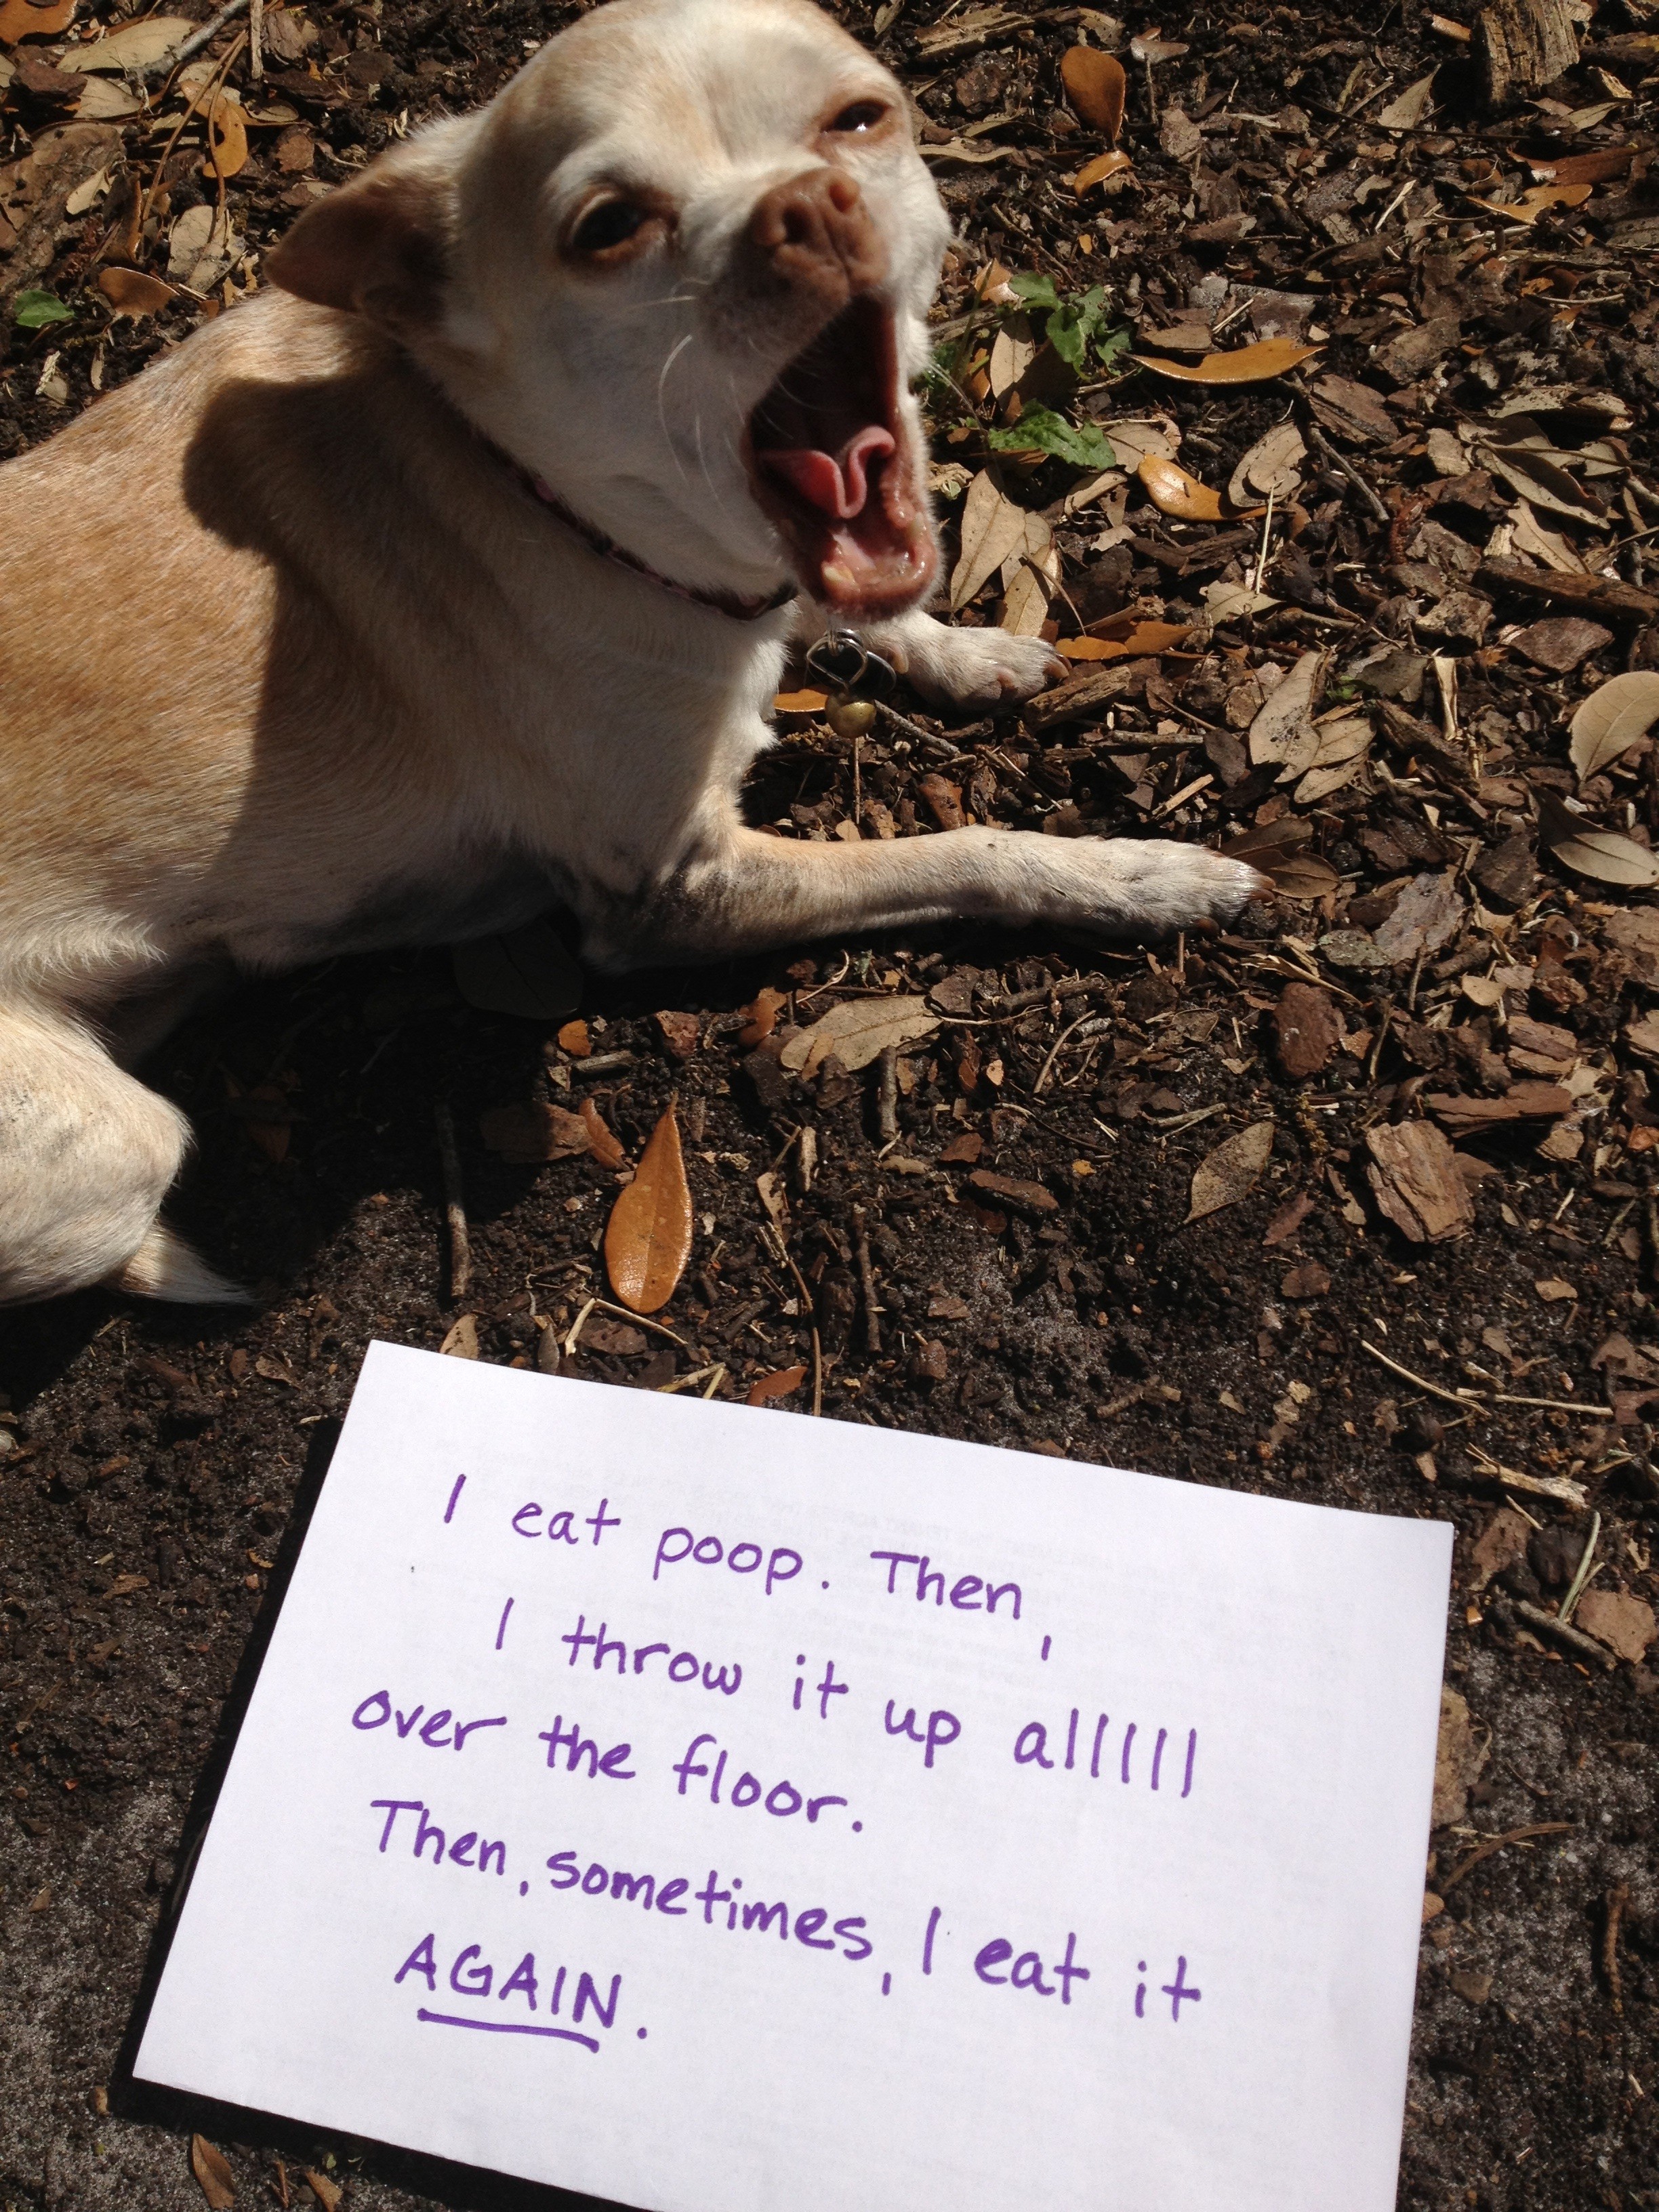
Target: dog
452, 577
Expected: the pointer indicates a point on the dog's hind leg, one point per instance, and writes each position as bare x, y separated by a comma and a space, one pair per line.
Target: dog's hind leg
86, 1155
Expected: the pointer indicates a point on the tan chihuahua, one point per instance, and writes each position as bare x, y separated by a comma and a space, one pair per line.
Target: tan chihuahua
454, 578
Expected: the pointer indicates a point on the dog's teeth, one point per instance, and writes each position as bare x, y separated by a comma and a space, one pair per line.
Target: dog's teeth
838, 575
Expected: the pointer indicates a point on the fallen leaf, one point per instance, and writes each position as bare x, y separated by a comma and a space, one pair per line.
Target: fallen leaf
125, 1585
601, 1140
462, 1341
534, 1132
778, 1385
1012, 351
1554, 1291
1309, 1280
1096, 86
1230, 1170
131, 291
1500, 1545
992, 527
763, 1017
857, 1032
1130, 640
1024, 1197
1462, 1750
135, 46
23, 19
1097, 171
800, 702
1615, 715
1231, 602
617, 1340
210, 2169
965, 1150
525, 972
1604, 854
1405, 112
1172, 491
1283, 730
1413, 1176
1625, 1625
1251, 364
680, 1031
574, 1039
1272, 465
1301, 876
104, 101
1288, 1219
328, 2193
647, 1240
1538, 200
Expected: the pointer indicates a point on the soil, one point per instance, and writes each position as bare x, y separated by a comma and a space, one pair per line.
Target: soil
157, 1464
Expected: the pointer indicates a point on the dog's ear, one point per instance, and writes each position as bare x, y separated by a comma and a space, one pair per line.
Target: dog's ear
379, 247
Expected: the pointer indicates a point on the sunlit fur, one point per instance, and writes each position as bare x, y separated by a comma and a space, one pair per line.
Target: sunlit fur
291, 664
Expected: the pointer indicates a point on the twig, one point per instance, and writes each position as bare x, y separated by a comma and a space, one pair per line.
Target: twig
1577, 1590
256, 27
1493, 1844
1617, 1899
193, 43
867, 1278
1323, 446
639, 1321
1574, 1639
887, 1094
1464, 1401
1044, 1071
460, 1246
576, 1327
808, 1307
1556, 1405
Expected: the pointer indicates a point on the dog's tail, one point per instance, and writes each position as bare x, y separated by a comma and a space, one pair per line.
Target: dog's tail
87, 1154
165, 1266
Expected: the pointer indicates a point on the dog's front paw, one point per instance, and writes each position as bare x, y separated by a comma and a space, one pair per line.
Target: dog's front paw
969, 667
1162, 887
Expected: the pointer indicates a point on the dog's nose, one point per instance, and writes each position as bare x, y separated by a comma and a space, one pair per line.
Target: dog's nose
815, 235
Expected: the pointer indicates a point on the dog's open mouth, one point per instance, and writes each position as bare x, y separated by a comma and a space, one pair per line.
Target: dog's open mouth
830, 471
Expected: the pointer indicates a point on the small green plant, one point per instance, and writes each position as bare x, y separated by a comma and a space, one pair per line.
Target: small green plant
1039, 429
34, 311
1075, 323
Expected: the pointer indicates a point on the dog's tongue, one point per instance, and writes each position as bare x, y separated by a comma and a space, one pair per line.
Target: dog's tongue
837, 487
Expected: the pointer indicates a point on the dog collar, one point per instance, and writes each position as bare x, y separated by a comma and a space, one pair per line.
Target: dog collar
738, 606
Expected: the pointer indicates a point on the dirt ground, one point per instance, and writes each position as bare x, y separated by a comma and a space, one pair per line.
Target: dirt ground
1439, 1032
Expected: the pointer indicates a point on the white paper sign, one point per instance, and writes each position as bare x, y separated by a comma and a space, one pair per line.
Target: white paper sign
725, 1813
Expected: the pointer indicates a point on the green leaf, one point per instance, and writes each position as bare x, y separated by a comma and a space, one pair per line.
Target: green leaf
1040, 429
1036, 291
1113, 346
34, 310
1068, 334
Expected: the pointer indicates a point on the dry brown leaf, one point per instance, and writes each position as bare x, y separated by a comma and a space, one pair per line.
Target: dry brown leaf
601, 1140
992, 527
1096, 87
226, 134
647, 1240
1625, 1625
1231, 1171
1538, 201
1284, 729
1097, 171
134, 46
210, 2169
131, 291
1460, 1754
529, 1134
1172, 491
1137, 640
462, 1341
1500, 1545
857, 1031
763, 1017
800, 702
328, 2193
775, 1385
1272, 465
21, 19
1605, 854
1611, 718
574, 1039
1251, 364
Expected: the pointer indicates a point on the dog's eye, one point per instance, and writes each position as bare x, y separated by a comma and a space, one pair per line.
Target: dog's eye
610, 224
862, 115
